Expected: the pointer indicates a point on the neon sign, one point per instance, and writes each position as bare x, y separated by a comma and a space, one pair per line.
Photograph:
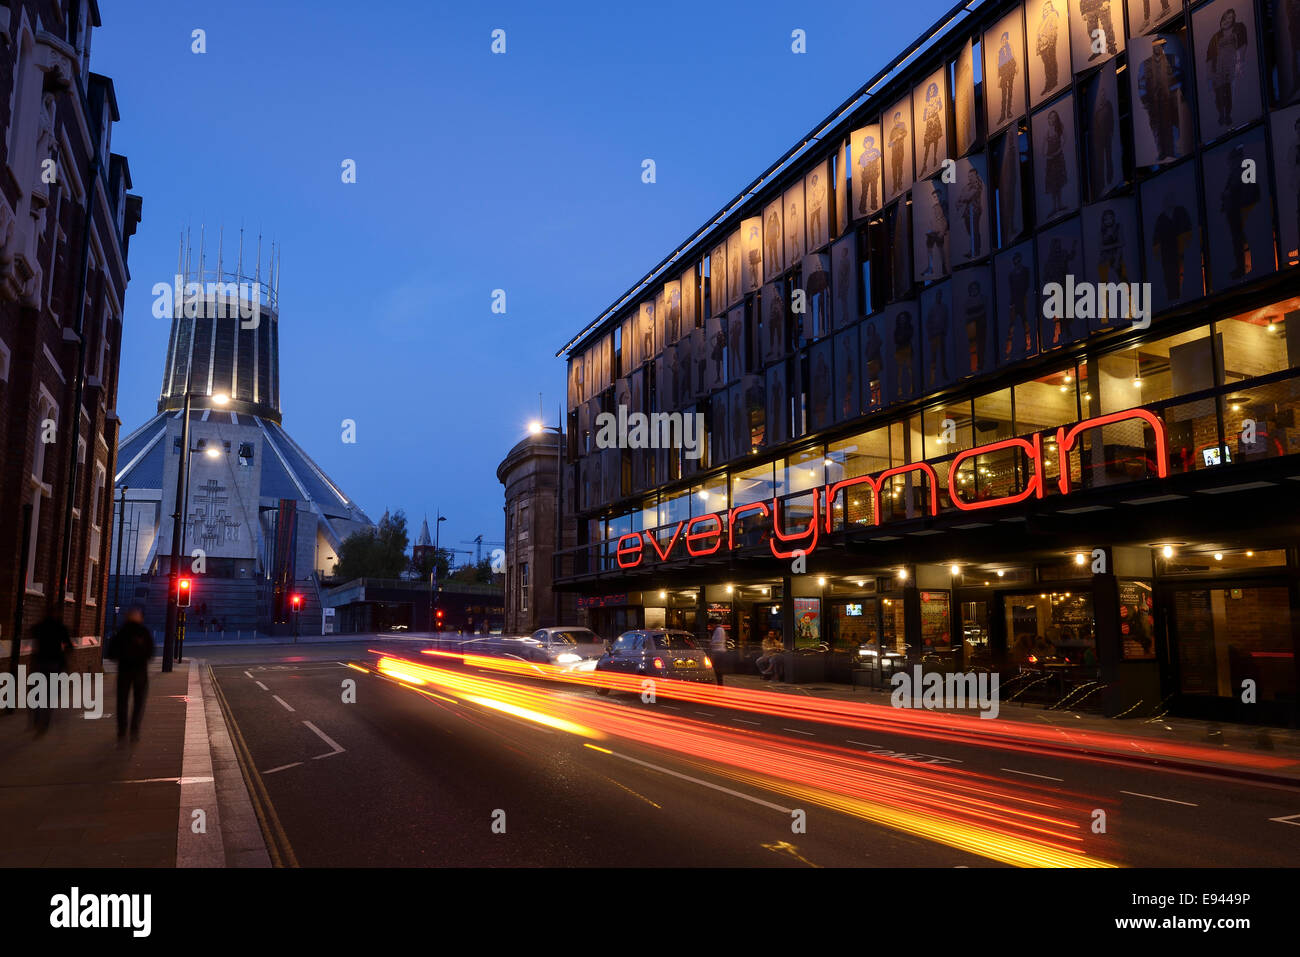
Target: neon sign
706, 534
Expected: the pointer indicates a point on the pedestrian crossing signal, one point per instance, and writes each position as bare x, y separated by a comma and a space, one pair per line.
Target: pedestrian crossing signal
296, 601
184, 589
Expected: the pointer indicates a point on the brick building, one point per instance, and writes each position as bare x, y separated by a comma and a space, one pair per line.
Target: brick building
66, 218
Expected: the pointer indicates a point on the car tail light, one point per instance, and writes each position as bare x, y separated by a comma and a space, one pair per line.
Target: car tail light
659, 663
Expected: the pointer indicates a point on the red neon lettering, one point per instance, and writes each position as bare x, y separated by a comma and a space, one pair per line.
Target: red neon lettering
811, 532
741, 510
620, 550
933, 481
1033, 487
833, 490
692, 536
1065, 441
653, 539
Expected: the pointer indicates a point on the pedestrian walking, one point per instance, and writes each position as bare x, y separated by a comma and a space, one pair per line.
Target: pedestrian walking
132, 648
50, 644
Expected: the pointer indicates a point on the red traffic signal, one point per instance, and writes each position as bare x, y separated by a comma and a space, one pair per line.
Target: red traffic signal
296, 601
184, 588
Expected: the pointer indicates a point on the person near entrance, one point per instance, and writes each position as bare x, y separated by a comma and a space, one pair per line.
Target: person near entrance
717, 646
770, 664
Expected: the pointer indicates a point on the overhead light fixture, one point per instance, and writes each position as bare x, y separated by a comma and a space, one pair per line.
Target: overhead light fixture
1001, 573
828, 462
704, 496
955, 569
902, 574
1078, 558
1167, 551
663, 594
221, 398
1218, 556
821, 582
860, 584
730, 589
1250, 554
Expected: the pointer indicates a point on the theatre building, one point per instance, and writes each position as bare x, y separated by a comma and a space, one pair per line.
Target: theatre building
998, 369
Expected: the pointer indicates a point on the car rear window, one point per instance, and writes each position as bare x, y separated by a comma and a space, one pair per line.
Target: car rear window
574, 636
675, 642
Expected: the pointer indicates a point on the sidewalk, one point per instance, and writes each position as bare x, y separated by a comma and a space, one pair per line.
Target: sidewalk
1281, 746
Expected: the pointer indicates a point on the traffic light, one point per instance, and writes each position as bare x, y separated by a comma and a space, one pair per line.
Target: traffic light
184, 588
296, 601
437, 616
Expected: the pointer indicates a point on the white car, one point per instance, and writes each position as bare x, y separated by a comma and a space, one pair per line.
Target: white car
563, 643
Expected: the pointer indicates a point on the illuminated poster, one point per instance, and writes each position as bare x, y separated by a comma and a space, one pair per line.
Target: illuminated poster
720, 447
690, 292
973, 327
1010, 202
930, 230
847, 385
718, 280
751, 252
735, 266
1171, 232
1144, 15
1137, 623
671, 311
867, 168
772, 302
645, 346
1096, 31
1056, 174
816, 208
1017, 319
1060, 255
897, 126
773, 241
1285, 28
844, 282
930, 121
968, 200
778, 406
1286, 162
792, 204
716, 333
903, 373
1004, 71
735, 343
1110, 255
1162, 116
840, 171
872, 341
821, 394
1238, 212
937, 351
807, 622
816, 284
1048, 26
1227, 66
1100, 120
965, 129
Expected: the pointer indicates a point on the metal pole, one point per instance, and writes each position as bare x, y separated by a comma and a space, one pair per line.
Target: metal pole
117, 579
16, 643
559, 511
182, 493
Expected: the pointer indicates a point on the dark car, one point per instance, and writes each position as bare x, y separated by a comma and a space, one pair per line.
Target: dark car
657, 653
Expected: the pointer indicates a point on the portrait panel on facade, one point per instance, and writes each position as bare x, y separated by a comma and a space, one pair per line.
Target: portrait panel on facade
772, 303
629, 332
1004, 71
876, 345
867, 164
1238, 210
968, 210
903, 373
1096, 31
773, 241
964, 126
1227, 66
898, 220
701, 366
848, 385
793, 223
778, 404
1158, 72
938, 350
1056, 173
720, 428
817, 295
646, 332
690, 286
821, 391
1111, 256
751, 254
896, 125
930, 232
718, 279
930, 123
974, 324
1099, 118
844, 282
671, 311
1009, 185
1285, 30
1286, 166
735, 266
1017, 302
816, 204
840, 171
660, 313
716, 334
1060, 264
1047, 23
1146, 15
735, 343
1171, 232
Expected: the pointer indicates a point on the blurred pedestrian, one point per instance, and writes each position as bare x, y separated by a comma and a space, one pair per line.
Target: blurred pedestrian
51, 643
132, 648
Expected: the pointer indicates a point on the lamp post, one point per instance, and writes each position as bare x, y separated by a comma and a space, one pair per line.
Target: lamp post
433, 572
536, 428
117, 579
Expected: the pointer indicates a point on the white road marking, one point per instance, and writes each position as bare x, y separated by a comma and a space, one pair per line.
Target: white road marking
193, 780
283, 767
1031, 774
707, 714
1155, 798
246, 673
287, 706
334, 745
1288, 819
744, 721
260, 685
797, 731
700, 781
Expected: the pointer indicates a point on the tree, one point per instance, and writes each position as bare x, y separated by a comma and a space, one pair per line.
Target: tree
424, 566
378, 552
480, 573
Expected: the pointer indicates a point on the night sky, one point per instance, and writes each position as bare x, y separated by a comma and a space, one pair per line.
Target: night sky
474, 172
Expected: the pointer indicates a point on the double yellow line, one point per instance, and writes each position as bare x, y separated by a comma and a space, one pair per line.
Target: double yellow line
277, 842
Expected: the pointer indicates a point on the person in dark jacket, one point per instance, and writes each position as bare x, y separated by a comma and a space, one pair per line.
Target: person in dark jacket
131, 648
50, 645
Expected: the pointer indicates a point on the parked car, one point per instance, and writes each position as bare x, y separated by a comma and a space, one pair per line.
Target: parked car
582, 642
657, 653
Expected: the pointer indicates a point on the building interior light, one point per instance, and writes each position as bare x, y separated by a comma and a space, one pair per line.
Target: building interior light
828, 462
1218, 556
860, 584
902, 574
955, 569
1068, 378
704, 496
730, 589
1250, 554
1001, 573
821, 582
663, 594
1167, 551
1079, 559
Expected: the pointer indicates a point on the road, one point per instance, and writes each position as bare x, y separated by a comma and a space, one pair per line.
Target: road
478, 768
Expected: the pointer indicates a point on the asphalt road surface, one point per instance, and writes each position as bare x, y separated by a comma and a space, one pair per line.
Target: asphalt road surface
431, 776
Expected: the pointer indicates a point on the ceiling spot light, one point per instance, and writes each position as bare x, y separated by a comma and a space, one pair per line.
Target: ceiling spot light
955, 569
730, 589
1001, 573
1078, 558
1167, 551
1218, 556
663, 594
1250, 554
821, 582
704, 496
902, 574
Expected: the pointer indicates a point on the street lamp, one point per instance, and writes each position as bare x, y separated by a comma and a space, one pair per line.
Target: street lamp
535, 427
212, 452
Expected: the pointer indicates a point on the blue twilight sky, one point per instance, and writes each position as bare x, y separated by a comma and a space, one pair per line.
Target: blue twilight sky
474, 172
